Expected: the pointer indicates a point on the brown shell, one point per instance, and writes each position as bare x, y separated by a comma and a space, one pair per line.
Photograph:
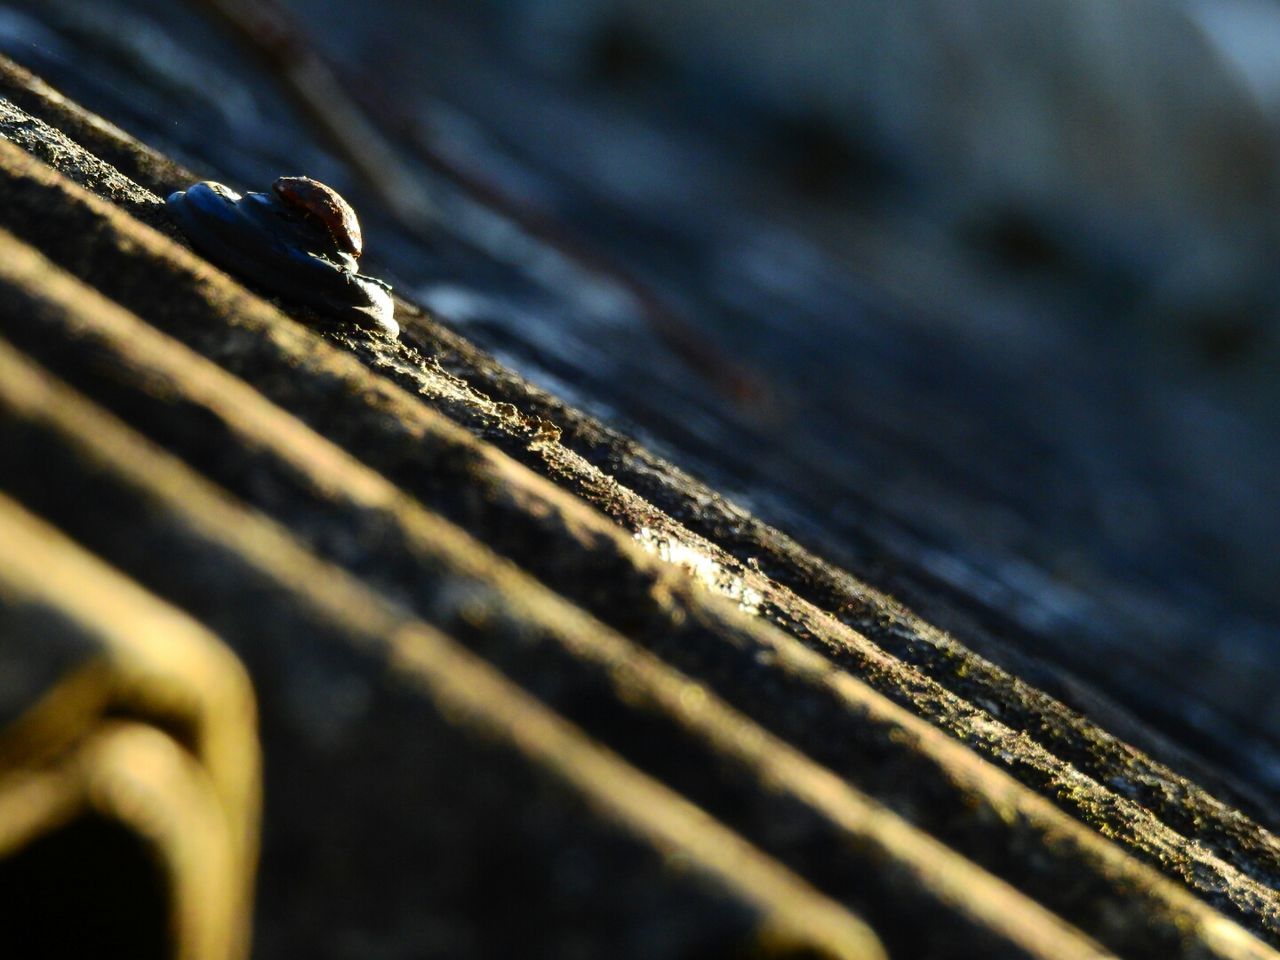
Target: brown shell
326, 206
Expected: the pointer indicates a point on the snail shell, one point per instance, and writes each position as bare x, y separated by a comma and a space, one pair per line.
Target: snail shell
326, 207
300, 242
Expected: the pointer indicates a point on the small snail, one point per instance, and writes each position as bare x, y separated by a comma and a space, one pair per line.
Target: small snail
300, 241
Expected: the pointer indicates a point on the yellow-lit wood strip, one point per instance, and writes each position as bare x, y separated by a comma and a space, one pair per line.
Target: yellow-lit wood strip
151, 662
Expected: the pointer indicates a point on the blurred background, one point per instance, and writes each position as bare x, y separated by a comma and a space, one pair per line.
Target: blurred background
978, 300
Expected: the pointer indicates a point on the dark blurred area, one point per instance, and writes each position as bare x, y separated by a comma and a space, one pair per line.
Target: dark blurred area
975, 299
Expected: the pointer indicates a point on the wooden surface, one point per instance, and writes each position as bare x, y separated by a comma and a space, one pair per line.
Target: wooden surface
525, 685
